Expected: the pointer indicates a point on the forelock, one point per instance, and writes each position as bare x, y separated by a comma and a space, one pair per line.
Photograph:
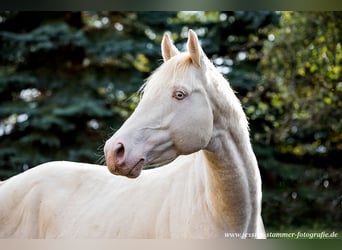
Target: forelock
167, 71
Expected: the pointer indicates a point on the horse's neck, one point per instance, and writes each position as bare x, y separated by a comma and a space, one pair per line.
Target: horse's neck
234, 185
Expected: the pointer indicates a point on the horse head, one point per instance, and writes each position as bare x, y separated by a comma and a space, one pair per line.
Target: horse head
173, 117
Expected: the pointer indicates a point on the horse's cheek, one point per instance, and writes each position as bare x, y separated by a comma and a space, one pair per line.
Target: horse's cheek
204, 131
202, 123
196, 127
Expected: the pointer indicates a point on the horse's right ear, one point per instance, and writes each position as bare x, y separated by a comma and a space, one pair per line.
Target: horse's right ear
168, 49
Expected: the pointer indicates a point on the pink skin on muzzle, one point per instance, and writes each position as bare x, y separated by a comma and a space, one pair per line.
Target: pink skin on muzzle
116, 159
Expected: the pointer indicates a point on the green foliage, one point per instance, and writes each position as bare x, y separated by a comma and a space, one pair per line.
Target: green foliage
68, 79
296, 119
62, 88
302, 83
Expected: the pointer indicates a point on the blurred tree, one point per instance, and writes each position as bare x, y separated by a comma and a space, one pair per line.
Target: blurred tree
302, 83
65, 79
296, 115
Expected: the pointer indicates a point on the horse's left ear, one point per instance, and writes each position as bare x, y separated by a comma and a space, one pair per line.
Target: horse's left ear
168, 49
196, 53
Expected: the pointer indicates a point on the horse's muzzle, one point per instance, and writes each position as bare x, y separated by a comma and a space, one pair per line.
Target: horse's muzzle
117, 163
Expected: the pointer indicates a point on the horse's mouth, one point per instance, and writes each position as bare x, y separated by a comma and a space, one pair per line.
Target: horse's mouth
136, 170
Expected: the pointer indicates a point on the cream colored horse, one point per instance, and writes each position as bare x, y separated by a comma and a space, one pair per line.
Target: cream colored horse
188, 116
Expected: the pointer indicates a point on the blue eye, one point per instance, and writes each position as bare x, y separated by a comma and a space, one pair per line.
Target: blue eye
179, 94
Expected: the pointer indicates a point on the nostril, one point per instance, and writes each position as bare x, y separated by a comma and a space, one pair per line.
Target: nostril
119, 153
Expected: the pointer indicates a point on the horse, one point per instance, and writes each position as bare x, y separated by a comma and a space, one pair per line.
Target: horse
191, 125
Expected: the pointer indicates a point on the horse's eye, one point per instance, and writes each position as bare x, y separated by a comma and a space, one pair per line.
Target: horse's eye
179, 95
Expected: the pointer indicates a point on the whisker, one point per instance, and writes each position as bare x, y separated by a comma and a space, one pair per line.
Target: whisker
101, 160
113, 130
101, 157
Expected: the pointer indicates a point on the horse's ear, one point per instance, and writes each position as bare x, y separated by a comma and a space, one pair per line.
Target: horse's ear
195, 49
168, 49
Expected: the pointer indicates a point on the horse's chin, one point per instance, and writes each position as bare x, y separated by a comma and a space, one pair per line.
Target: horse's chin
130, 172
136, 170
